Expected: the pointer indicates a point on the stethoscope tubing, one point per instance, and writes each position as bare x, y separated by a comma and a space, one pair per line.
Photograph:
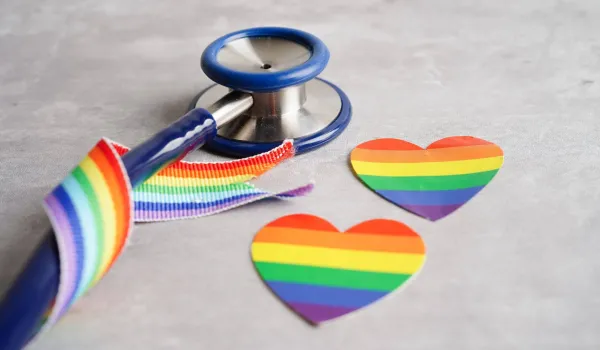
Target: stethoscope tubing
35, 288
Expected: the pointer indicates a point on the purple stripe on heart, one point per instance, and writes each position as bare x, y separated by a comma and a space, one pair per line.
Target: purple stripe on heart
319, 313
432, 212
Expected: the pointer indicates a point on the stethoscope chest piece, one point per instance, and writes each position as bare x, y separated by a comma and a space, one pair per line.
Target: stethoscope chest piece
268, 90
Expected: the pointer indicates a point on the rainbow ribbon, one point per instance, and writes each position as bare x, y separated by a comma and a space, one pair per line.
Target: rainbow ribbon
93, 210
193, 189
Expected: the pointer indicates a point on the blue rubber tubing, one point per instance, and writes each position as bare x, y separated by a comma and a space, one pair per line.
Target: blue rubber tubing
240, 149
31, 294
265, 81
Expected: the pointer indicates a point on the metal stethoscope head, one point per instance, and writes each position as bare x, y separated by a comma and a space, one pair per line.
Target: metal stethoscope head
267, 91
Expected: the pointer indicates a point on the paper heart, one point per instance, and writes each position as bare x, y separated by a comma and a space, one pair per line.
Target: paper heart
322, 273
432, 182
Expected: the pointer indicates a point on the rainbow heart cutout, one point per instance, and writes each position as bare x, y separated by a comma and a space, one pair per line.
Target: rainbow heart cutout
322, 273
432, 182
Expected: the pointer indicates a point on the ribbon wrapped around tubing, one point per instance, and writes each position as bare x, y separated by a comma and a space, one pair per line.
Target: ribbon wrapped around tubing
43, 305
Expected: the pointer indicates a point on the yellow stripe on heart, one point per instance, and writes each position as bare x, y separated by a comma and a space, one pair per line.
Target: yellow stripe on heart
337, 258
428, 168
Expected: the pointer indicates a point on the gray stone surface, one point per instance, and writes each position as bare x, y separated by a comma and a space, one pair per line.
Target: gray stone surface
516, 268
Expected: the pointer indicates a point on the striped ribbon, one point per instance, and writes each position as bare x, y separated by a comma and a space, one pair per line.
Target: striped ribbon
192, 189
93, 210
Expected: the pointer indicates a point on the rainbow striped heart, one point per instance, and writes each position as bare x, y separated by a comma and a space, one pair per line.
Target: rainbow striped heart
432, 182
322, 273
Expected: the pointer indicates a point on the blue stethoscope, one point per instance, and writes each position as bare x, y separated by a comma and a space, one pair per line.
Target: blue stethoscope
266, 91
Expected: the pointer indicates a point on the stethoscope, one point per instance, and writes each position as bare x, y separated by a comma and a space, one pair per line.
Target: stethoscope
266, 91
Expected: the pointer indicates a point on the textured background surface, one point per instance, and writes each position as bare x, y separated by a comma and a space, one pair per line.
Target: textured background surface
516, 268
